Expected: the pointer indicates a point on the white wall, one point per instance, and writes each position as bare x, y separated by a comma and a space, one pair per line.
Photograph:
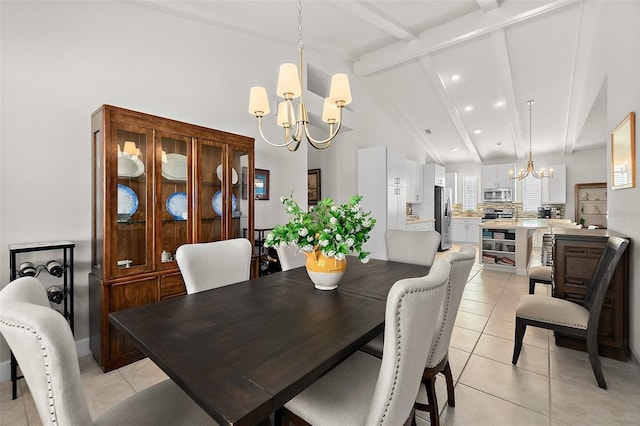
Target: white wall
623, 96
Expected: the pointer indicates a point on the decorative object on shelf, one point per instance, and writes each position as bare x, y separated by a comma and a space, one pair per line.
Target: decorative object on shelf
130, 166
127, 202
261, 184
623, 153
234, 174
326, 233
290, 86
531, 170
216, 202
177, 205
175, 168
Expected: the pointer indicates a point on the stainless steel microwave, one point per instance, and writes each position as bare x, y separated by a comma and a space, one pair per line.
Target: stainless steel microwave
497, 195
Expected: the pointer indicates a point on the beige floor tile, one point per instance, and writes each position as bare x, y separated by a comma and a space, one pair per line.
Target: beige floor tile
471, 321
581, 405
531, 358
105, 391
517, 385
464, 339
474, 307
457, 361
477, 408
142, 374
482, 296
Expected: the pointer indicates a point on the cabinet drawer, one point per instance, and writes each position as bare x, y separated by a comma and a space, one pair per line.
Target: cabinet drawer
171, 285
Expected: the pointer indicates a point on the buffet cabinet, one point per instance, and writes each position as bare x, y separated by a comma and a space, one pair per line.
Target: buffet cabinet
575, 256
157, 183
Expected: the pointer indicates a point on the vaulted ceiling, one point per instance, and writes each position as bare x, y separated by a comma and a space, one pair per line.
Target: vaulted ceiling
504, 53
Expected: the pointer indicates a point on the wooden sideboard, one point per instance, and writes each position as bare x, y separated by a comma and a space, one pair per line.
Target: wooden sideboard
575, 255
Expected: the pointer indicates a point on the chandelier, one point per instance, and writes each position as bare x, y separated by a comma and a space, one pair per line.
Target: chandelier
296, 124
530, 169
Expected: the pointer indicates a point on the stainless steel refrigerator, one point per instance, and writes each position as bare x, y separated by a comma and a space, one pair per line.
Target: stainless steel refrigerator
442, 212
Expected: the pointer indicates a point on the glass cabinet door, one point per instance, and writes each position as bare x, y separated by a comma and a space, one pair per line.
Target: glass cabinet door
174, 199
211, 206
240, 189
132, 210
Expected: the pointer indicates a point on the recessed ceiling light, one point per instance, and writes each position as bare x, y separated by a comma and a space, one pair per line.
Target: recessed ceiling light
499, 104
498, 143
477, 131
455, 77
454, 149
468, 108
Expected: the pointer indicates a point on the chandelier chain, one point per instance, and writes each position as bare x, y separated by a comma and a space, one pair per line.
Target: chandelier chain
299, 24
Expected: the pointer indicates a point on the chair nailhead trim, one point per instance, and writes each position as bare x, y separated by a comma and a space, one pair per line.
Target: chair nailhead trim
43, 348
399, 350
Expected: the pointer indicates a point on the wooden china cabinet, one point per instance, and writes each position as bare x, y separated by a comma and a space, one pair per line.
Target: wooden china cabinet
156, 184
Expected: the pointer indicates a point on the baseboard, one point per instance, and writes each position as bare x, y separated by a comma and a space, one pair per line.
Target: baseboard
82, 347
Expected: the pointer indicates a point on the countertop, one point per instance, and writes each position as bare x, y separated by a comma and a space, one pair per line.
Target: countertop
421, 220
515, 224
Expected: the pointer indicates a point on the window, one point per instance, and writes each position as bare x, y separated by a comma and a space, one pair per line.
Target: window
530, 194
469, 192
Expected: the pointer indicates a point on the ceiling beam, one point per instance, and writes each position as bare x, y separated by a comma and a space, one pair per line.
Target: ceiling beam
375, 17
503, 66
446, 101
582, 98
488, 5
399, 116
461, 29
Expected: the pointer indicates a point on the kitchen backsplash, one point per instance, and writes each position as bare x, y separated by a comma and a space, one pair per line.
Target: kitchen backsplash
458, 211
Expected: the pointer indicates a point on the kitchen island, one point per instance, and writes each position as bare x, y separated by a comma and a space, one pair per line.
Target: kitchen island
506, 244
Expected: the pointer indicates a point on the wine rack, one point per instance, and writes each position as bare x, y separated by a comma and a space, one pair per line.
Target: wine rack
59, 265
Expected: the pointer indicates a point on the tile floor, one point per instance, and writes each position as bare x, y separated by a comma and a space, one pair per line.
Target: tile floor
549, 386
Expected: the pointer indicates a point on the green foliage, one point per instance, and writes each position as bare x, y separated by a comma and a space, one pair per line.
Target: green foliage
334, 230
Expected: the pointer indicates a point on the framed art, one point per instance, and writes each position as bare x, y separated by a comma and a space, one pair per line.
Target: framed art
261, 184
623, 153
313, 185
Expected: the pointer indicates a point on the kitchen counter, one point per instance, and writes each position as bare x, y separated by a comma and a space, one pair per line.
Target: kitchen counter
532, 224
421, 220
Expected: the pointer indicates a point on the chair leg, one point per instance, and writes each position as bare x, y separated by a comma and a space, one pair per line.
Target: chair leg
451, 397
532, 285
432, 400
594, 359
517, 344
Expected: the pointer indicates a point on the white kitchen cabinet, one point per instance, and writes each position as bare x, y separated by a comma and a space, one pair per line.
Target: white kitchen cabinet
497, 176
415, 182
434, 174
465, 230
554, 190
377, 166
396, 168
451, 181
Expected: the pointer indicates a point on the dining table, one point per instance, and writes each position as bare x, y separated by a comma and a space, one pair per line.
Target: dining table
242, 351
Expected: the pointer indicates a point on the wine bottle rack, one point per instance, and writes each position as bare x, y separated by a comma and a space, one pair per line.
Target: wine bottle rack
60, 250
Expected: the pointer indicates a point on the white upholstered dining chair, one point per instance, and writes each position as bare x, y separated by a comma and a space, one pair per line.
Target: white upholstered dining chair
210, 265
365, 390
290, 257
43, 345
416, 247
438, 361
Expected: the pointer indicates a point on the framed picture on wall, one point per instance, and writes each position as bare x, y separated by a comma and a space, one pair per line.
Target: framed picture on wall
623, 153
262, 184
313, 185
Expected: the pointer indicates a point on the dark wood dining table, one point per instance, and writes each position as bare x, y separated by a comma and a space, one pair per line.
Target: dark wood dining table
243, 350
